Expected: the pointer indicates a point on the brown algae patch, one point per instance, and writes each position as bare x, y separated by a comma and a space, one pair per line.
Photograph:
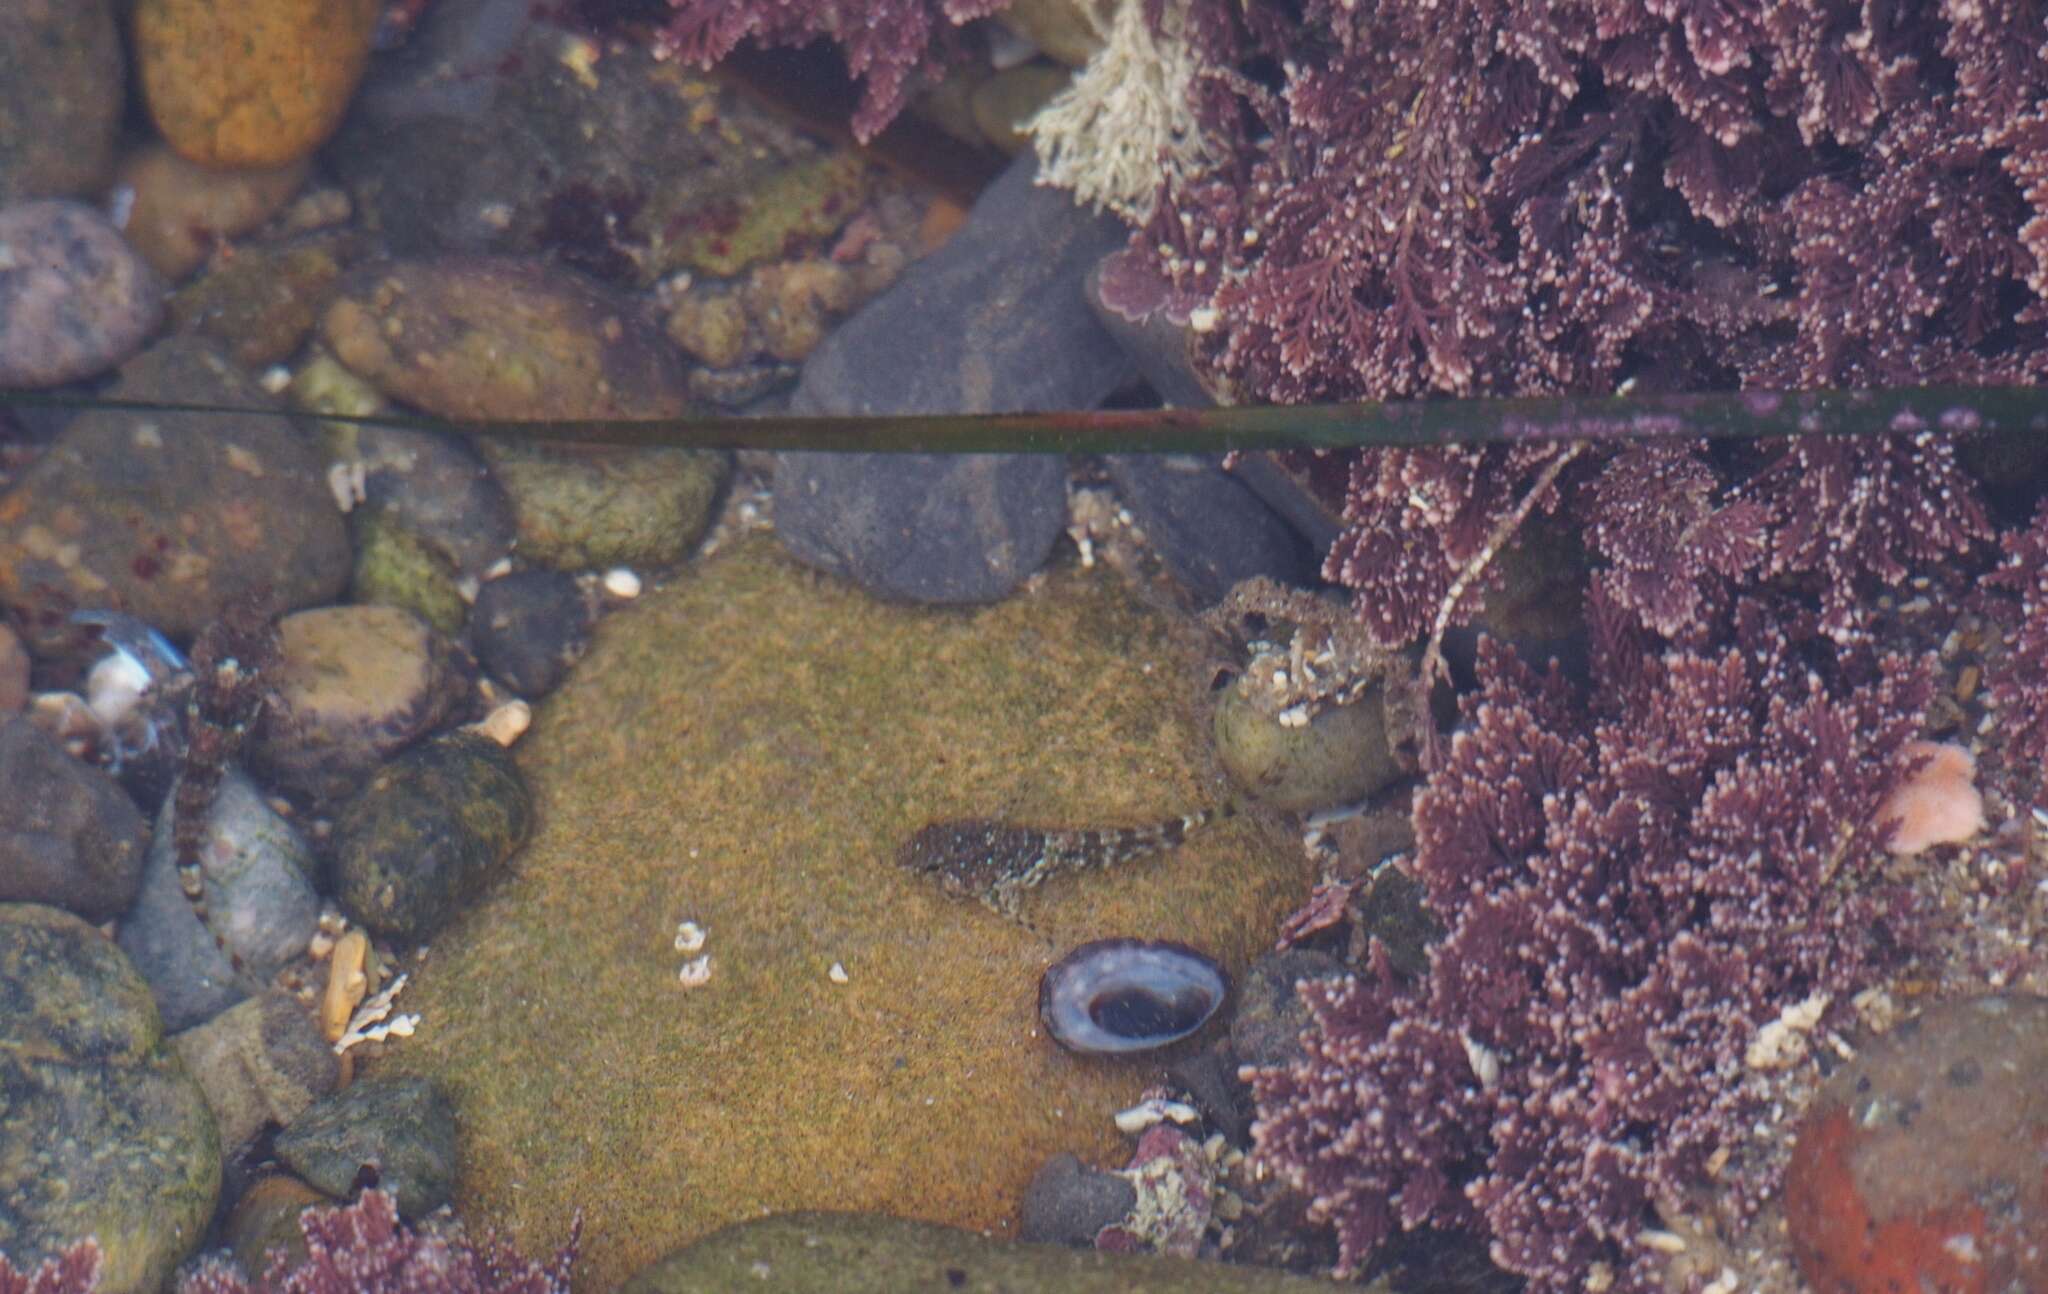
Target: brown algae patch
747, 750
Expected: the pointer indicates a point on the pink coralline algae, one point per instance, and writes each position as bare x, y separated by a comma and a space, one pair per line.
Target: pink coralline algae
2019, 683
1841, 517
1631, 883
1482, 197
364, 1248
75, 1271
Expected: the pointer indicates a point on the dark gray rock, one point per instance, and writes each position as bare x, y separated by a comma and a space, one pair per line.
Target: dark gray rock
1266, 1028
427, 832
994, 322
104, 1133
529, 628
1068, 1203
69, 836
1205, 525
400, 1129
945, 528
259, 897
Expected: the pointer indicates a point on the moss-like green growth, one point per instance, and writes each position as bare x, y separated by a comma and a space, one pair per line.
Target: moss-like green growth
747, 749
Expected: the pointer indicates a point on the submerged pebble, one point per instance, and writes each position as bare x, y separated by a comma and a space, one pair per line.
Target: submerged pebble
259, 898
1115, 996
401, 1128
106, 1134
75, 299
68, 836
427, 831
353, 685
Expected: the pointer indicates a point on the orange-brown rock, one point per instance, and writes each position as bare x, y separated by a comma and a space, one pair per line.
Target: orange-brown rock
251, 82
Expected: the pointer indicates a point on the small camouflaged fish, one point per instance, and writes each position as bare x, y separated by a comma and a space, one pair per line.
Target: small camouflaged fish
995, 861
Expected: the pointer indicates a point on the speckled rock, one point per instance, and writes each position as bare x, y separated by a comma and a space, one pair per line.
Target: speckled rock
353, 686
485, 337
259, 897
791, 302
69, 836
169, 515
403, 1128
60, 97
530, 627
250, 82
261, 305
578, 511
1923, 1164
183, 210
1069, 1203
427, 832
75, 300
850, 1253
938, 528
748, 748
104, 1133
261, 1063
1206, 526
1338, 757
397, 568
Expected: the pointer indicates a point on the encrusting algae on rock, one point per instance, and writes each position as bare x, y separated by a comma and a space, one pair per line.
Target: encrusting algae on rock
747, 749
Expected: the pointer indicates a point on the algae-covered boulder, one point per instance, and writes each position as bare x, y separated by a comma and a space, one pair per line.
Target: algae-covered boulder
498, 337
748, 749
103, 1133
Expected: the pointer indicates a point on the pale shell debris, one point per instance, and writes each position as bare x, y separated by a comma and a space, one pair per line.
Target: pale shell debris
696, 973
1153, 1110
838, 974
689, 937
621, 582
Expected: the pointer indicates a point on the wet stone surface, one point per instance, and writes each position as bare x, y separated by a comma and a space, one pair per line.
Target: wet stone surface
259, 898
530, 627
169, 515
427, 832
60, 98
353, 686
102, 1130
1923, 1164
75, 300
69, 836
402, 1129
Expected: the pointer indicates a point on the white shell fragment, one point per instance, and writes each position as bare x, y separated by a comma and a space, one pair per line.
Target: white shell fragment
621, 582
838, 973
1782, 1043
1148, 1112
689, 937
696, 973
506, 724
